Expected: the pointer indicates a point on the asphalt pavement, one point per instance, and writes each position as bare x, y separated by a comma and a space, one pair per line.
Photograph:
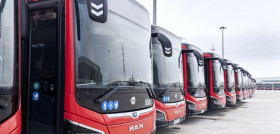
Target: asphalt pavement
258, 115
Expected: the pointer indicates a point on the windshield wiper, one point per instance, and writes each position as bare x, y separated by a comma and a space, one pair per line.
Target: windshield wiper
3, 104
168, 89
108, 94
183, 91
196, 89
114, 89
165, 91
193, 91
149, 89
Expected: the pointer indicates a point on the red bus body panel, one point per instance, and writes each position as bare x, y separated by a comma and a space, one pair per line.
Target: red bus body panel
169, 111
13, 124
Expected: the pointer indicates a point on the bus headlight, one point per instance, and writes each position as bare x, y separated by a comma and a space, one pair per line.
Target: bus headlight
229, 99
192, 107
160, 116
217, 102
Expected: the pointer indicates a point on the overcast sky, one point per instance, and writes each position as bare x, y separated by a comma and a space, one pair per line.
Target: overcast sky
252, 37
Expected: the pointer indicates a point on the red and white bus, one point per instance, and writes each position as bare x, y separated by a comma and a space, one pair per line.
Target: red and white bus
87, 68
194, 80
260, 86
239, 84
168, 77
276, 86
230, 82
246, 85
268, 86
215, 81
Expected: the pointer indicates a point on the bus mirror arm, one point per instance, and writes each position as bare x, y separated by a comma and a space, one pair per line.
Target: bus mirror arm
165, 43
3, 104
151, 91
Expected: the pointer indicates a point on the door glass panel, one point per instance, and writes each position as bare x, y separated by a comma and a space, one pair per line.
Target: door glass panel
8, 75
43, 62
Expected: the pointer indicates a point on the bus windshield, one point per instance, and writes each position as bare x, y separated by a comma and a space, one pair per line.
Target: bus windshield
114, 53
218, 74
230, 78
276, 85
239, 79
167, 73
195, 74
268, 86
218, 77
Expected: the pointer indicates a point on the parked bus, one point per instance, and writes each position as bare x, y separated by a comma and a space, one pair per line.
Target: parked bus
268, 86
248, 84
245, 87
230, 82
194, 80
250, 89
215, 82
240, 84
260, 86
10, 95
276, 86
254, 85
88, 68
168, 77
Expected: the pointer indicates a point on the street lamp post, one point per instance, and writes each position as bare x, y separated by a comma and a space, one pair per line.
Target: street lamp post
223, 48
155, 12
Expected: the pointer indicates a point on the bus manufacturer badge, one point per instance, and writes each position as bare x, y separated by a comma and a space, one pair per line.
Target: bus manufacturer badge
177, 111
133, 100
135, 127
134, 115
176, 104
35, 95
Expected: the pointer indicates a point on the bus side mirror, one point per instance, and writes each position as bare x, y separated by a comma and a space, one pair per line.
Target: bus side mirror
24, 20
98, 10
224, 64
199, 58
165, 43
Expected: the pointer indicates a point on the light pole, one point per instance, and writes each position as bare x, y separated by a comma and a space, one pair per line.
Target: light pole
223, 48
213, 49
155, 12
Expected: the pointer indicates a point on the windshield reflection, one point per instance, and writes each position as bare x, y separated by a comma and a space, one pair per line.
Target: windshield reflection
218, 74
195, 73
230, 78
167, 73
111, 52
